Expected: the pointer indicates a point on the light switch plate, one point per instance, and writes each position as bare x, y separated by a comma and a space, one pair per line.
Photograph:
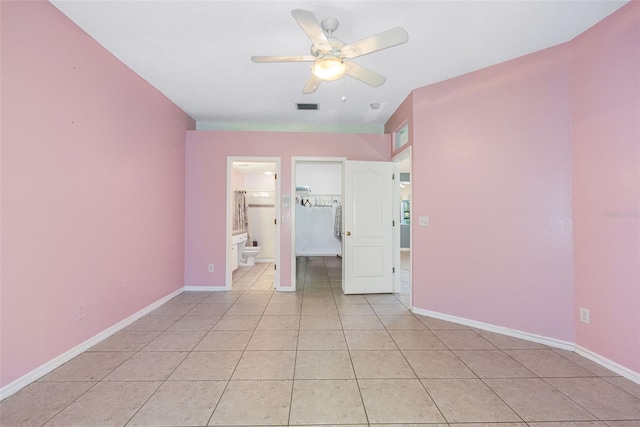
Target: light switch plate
423, 221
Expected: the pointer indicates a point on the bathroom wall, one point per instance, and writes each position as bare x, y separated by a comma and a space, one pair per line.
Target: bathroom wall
315, 224
206, 161
260, 191
93, 189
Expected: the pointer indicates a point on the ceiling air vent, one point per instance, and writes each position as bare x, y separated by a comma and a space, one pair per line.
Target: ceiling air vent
306, 106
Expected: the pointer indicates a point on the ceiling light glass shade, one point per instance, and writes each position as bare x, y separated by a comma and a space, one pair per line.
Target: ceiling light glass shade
329, 69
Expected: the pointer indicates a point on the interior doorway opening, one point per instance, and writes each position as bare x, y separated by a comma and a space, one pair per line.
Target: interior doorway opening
316, 214
402, 245
253, 231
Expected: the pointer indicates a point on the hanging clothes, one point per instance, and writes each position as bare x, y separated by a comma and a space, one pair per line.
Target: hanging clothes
337, 223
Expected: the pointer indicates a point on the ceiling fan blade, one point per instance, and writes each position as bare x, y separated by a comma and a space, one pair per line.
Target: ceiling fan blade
365, 75
298, 58
310, 25
312, 84
389, 38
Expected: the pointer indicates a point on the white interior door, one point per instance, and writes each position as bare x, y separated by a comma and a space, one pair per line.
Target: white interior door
368, 229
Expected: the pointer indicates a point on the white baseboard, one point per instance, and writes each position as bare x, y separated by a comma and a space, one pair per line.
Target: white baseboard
285, 288
609, 364
551, 342
57, 361
205, 288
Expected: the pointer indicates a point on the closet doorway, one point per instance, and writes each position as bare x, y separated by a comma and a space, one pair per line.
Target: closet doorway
317, 186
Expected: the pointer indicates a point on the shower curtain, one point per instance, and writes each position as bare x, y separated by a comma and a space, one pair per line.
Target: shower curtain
241, 217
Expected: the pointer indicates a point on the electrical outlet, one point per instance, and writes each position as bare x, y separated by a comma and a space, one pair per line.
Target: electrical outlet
125, 282
210, 268
584, 315
80, 312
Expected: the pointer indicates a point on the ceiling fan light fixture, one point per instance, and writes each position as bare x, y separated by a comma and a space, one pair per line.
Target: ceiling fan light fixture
329, 69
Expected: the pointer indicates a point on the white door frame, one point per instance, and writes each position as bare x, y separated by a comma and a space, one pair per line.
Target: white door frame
403, 155
230, 160
295, 160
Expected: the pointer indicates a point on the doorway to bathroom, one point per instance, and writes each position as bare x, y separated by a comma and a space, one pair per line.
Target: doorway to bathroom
253, 229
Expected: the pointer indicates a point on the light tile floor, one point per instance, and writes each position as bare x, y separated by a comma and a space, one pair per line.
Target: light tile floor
257, 357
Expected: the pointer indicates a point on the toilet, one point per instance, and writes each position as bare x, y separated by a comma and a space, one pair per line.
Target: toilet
249, 254
246, 255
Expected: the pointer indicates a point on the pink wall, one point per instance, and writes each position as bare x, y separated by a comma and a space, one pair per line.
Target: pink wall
92, 188
521, 168
492, 171
207, 153
605, 96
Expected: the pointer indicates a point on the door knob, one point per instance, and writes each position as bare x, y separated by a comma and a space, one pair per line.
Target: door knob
348, 233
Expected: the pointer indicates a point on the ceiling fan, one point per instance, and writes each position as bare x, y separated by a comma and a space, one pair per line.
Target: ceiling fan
331, 56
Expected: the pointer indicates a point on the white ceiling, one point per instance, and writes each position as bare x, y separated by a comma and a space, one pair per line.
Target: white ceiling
198, 52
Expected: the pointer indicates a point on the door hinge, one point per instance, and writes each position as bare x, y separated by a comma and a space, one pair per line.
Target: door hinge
275, 176
275, 267
393, 176
393, 270
393, 223
275, 221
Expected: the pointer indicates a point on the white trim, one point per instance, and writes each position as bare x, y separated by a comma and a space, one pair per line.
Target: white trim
405, 153
63, 358
551, 342
609, 364
205, 288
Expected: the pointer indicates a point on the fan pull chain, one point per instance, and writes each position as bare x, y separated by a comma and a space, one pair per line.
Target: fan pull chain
344, 90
